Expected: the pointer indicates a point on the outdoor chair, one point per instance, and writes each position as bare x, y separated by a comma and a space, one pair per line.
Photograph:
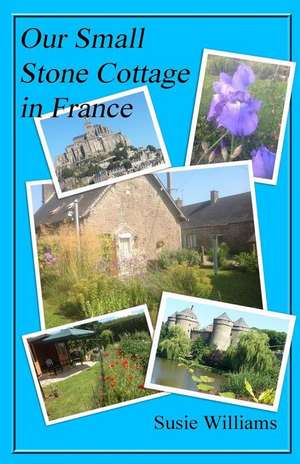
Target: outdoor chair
52, 367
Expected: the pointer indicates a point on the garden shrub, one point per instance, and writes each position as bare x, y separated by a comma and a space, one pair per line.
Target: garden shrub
223, 254
105, 294
214, 358
260, 381
180, 278
136, 345
247, 261
184, 256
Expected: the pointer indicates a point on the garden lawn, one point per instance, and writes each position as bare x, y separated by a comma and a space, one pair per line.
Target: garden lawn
75, 395
230, 286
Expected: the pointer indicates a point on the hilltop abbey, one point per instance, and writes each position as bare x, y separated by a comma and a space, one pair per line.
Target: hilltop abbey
97, 141
222, 333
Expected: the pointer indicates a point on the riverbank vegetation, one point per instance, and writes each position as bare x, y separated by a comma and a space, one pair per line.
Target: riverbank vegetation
248, 371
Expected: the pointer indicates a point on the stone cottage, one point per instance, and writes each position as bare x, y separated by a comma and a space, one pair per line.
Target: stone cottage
138, 215
230, 217
221, 334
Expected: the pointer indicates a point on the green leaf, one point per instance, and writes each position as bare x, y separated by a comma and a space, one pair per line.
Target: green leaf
191, 370
227, 394
267, 396
195, 378
249, 389
206, 379
205, 387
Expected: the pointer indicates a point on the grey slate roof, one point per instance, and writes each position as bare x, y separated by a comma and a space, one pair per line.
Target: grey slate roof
55, 210
230, 209
240, 323
189, 313
223, 317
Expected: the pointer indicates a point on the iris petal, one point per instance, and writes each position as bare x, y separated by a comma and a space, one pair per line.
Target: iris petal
263, 161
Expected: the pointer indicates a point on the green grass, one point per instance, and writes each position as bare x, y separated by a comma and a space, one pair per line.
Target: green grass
230, 286
75, 394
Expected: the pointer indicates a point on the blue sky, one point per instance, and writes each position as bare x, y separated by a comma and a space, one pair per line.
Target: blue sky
207, 312
59, 132
194, 185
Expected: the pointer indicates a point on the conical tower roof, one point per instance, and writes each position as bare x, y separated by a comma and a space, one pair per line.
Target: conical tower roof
223, 317
188, 312
240, 323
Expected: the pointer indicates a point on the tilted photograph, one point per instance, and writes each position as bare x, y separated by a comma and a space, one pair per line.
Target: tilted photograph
92, 366
219, 351
240, 112
107, 140
188, 230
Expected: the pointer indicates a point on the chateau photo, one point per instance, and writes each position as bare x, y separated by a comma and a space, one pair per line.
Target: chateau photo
120, 142
219, 351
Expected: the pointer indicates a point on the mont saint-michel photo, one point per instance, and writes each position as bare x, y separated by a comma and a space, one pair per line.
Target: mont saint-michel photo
101, 142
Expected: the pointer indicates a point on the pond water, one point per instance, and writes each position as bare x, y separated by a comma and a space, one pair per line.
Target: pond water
168, 373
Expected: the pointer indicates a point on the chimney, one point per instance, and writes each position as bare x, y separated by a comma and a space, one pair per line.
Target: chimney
214, 196
169, 183
47, 191
179, 203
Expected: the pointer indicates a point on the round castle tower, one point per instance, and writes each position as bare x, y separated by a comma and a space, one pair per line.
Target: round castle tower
239, 327
172, 320
187, 320
221, 334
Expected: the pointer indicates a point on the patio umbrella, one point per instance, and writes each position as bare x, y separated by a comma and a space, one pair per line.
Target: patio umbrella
68, 334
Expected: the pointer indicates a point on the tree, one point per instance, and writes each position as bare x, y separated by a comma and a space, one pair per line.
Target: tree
151, 148
199, 349
127, 164
253, 353
106, 337
176, 344
67, 172
276, 339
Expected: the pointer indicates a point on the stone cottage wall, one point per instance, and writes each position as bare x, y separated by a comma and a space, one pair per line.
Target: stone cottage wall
136, 207
236, 235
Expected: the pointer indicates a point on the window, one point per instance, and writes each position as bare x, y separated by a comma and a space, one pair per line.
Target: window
125, 246
191, 240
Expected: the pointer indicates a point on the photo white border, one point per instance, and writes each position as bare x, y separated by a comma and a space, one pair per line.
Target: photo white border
166, 160
248, 163
289, 64
121, 314
223, 307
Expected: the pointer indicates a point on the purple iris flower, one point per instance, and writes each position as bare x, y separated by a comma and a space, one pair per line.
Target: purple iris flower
232, 106
263, 162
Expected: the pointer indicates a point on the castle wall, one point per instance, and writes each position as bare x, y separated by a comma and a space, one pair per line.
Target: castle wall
221, 334
204, 334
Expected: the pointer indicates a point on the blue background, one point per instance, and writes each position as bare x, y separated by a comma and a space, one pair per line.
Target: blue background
169, 42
